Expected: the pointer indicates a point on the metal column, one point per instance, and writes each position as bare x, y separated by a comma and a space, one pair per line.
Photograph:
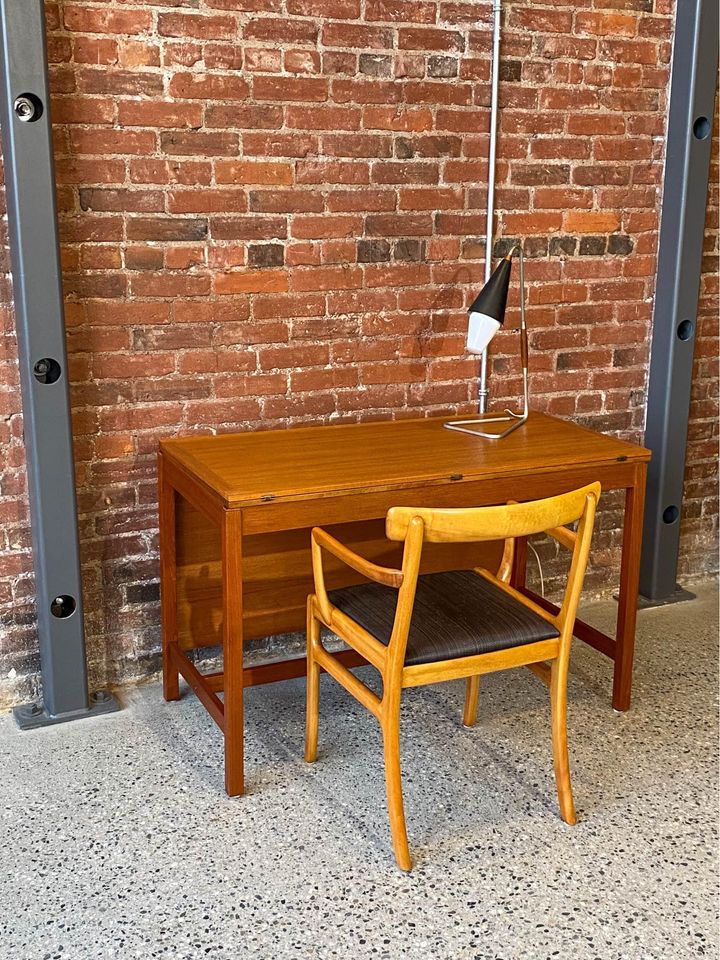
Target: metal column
692, 98
37, 287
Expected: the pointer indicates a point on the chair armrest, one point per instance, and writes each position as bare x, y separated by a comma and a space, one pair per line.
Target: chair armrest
321, 540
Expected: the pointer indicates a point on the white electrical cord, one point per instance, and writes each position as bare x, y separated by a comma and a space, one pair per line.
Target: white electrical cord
542, 579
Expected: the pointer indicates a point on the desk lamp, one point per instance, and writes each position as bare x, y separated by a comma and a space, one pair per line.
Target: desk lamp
487, 314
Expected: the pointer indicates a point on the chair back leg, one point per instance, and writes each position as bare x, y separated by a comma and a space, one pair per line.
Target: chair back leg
313, 685
558, 713
472, 691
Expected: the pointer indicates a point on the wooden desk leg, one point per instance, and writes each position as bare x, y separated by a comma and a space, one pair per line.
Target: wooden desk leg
231, 538
168, 581
628, 594
519, 567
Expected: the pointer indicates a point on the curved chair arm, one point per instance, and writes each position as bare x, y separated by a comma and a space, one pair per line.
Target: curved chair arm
321, 540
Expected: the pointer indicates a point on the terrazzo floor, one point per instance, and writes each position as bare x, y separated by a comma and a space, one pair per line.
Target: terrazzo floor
117, 841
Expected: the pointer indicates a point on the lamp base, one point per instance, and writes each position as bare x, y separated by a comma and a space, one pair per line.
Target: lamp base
466, 426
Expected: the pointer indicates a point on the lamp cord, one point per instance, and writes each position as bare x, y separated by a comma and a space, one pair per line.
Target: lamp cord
540, 570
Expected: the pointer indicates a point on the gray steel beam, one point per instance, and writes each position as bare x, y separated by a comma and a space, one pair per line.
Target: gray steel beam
692, 99
37, 290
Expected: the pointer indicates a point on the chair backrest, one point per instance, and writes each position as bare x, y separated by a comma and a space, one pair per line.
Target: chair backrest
414, 525
491, 523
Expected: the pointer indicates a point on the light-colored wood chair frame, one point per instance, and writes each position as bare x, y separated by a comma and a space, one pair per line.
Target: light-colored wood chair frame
414, 526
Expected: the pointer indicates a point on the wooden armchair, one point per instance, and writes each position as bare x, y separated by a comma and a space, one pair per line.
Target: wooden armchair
443, 626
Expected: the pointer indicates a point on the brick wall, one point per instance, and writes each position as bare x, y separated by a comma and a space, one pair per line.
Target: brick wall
273, 209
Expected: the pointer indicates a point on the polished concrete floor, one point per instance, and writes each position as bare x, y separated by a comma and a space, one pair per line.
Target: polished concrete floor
117, 841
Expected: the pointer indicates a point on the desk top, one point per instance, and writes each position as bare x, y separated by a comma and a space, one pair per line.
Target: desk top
309, 462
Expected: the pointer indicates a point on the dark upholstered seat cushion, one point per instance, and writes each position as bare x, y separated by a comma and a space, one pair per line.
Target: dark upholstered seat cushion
458, 614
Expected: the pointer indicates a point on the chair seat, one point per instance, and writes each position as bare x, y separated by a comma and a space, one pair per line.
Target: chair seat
456, 614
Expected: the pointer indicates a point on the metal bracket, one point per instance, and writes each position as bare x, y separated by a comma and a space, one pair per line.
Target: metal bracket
37, 290
692, 98
31, 716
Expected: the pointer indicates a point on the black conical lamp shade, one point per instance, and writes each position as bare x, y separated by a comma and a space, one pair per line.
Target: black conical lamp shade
487, 311
492, 299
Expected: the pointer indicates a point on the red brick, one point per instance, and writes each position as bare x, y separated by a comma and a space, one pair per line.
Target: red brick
83, 19
279, 144
396, 118
606, 24
562, 198
289, 357
313, 89
332, 171
113, 81
95, 50
430, 39
590, 222
366, 91
192, 25
285, 201
542, 20
326, 278
301, 61
112, 142
148, 113
192, 143
81, 170
282, 30
243, 116
438, 92
262, 60
399, 225
333, 9
248, 228
394, 172
447, 198
203, 86
403, 11
356, 37
251, 281
323, 228
629, 51
340, 201
166, 171
73, 110
357, 145
323, 118
207, 201
169, 285
137, 53
290, 306
251, 171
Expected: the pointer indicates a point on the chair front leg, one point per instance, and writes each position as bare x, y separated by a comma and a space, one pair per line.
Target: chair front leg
393, 784
313, 685
558, 711
472, 691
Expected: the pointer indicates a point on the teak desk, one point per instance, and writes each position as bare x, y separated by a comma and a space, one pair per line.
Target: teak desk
236, 512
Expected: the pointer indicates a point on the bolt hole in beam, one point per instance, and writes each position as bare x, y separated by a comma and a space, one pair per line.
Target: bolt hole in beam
702, 128
28, 108
670, 514
47, 370
63, 606
685, 330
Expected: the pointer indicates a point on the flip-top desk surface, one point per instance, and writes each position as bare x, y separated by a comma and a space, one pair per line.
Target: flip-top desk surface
236, 510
